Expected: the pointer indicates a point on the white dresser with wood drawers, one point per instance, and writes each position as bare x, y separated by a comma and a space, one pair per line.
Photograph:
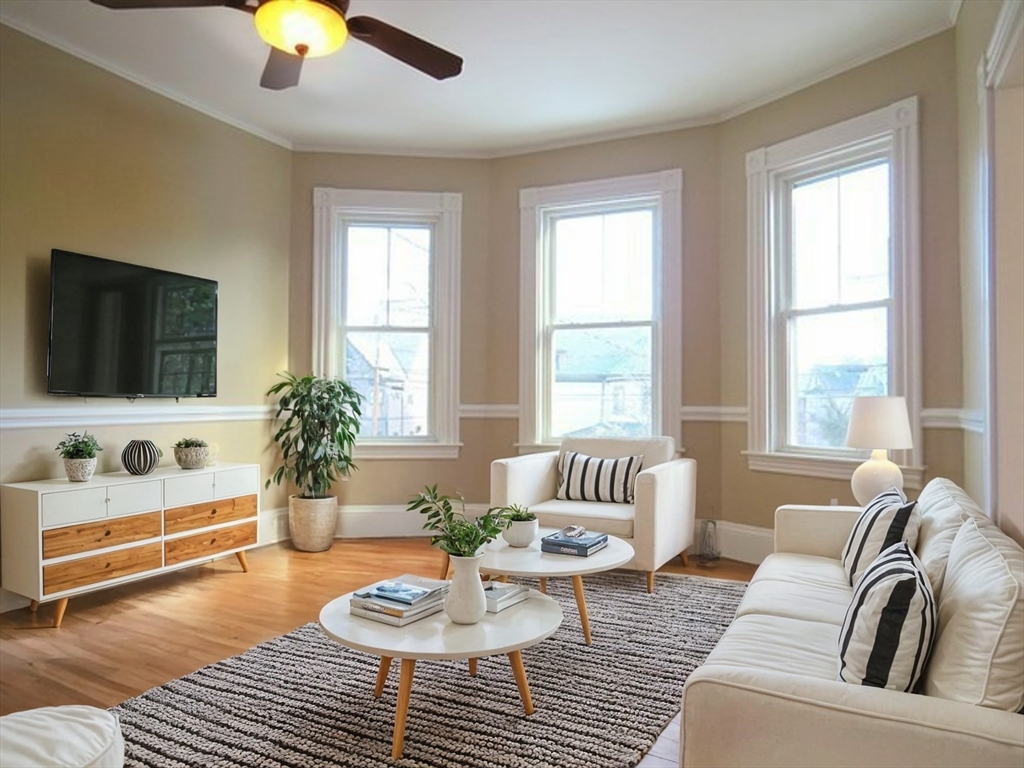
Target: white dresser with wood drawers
60, 539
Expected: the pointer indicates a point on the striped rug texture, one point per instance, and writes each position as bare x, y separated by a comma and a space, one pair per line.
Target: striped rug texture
301, 700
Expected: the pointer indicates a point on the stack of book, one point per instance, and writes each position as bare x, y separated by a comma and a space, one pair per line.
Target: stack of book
501, 596
399, 601
582, 545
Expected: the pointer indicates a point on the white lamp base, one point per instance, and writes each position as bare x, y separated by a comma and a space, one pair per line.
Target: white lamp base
875, 475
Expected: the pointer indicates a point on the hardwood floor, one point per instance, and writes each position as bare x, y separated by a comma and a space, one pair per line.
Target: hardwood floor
119, 642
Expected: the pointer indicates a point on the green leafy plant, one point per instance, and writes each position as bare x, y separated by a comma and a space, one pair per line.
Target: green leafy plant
453, 531
515, 513
191, 442
77, 446
318, 433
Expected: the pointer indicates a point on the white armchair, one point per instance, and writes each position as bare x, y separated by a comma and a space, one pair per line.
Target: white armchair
659, 525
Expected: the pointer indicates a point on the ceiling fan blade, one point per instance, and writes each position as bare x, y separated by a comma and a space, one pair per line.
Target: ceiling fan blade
418, 53
282, 70
120, 5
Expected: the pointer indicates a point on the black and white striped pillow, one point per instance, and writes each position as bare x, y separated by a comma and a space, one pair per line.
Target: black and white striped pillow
890, 625
586, 478
886, 520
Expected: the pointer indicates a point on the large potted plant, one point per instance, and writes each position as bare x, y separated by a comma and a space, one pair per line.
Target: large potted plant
463, 539
321, 421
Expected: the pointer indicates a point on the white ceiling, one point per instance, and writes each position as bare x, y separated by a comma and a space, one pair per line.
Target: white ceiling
537, 73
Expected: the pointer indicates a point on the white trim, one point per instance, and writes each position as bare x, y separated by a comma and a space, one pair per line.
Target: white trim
822, 467
954, 11
78, 416
724, 413
273, 526
489, 411
1008, 29
967, 419
738, 541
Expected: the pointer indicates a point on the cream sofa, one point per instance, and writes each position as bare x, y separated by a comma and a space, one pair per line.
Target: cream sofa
768, 694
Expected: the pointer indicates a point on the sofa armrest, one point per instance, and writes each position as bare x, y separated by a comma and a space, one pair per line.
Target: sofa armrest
528, 479
810, 530
743, 716
665, 499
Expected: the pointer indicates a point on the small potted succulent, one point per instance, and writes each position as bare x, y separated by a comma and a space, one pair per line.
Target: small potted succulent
522, 527
79, 454
191, 453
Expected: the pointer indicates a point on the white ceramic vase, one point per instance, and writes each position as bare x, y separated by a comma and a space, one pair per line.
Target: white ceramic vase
466, 602
312, 522
521, 533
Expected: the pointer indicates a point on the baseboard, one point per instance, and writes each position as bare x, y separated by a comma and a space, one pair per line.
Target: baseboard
736, 541
273, 525
358, 521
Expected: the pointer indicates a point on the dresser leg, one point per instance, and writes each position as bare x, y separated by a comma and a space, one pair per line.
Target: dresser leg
58, 616
242, 561
33, 606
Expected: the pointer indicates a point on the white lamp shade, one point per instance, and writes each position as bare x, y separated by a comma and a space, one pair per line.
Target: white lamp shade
879, 422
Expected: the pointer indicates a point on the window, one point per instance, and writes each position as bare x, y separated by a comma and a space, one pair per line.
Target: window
600, 309
386, 311
833, 289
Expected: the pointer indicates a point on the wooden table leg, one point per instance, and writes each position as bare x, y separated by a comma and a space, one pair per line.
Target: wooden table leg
684, 558
382, 675
524, 686
58, 615
503, 579
33, 606
472, 667
543, 585
445, 562
402, 709
581, 603
242, 561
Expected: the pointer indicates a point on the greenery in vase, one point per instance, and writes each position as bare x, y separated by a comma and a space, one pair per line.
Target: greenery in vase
191, 442
516, 513
318, 434
77, 446
453, 531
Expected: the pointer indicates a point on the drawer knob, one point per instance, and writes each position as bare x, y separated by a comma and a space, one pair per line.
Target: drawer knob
213, 511
213, 540
106, 533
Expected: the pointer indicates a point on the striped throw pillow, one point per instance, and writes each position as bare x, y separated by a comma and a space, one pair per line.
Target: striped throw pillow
890, 626
586, 478
887, 519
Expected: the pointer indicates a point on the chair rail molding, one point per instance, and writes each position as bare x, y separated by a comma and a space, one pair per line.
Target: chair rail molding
967, 419
77, 416
730, 413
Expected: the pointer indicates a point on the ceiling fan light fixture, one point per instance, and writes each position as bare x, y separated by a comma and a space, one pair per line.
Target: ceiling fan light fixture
307, 28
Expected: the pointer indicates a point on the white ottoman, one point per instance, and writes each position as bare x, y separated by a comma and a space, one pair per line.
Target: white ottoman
61, 737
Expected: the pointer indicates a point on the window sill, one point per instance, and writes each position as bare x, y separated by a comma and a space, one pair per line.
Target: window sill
386, 451
822, 466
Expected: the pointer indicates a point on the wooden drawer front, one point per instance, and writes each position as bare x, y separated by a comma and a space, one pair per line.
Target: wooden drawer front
209, 543
136, 497
111, 532
208, 513
91, 570
188, 489
74, 506
237, 482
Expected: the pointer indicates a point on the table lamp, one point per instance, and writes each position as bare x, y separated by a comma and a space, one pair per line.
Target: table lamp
879, 424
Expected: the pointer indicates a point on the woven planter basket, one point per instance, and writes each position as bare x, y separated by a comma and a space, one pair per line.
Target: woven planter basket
312, 522
192, 458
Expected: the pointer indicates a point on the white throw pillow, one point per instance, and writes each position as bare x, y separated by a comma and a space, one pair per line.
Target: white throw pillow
890, 625
586, 478
944, 507
887, 519
979, 652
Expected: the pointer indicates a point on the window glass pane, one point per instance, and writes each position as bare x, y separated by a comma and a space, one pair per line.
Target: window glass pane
391, 371
601, 382
834, 358
388, 276
603, 267
815, 234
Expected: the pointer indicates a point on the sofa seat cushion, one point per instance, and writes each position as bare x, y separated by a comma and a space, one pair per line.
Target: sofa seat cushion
795, 568
944, 507
55, 737
825, 603
604, 517
779, 644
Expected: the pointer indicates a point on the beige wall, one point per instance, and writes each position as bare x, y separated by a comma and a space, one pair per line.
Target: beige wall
92, 163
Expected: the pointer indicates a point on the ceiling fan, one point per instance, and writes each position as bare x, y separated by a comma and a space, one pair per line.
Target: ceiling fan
300, 29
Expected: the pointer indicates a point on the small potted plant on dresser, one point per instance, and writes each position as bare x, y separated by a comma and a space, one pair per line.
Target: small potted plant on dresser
316, 441
523, 526
79, 454
191, 453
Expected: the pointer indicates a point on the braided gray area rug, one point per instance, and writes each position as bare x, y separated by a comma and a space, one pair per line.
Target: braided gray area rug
303, 701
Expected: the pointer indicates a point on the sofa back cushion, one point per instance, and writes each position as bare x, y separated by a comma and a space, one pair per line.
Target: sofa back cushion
655, 450
979, 651
944, 507
887, 519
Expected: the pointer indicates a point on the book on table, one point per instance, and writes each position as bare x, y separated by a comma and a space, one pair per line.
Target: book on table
395, 621
581, 546
501, 596
406, 589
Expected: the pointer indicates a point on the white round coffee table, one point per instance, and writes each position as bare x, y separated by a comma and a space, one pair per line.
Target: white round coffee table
435, 637
503, 560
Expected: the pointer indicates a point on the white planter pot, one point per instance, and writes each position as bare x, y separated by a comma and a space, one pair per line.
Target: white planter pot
521, 533
312, 522
192, 458
466, 602
79, 470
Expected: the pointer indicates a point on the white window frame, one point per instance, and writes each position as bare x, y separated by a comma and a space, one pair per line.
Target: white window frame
891, 132
443, 211
666, 188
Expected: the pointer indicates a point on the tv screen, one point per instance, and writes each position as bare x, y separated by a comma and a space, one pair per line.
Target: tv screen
121, 330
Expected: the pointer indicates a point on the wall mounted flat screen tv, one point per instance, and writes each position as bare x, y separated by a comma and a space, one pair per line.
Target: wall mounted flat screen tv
121, 330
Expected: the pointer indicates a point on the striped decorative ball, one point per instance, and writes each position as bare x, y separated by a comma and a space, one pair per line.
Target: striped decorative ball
140, 457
